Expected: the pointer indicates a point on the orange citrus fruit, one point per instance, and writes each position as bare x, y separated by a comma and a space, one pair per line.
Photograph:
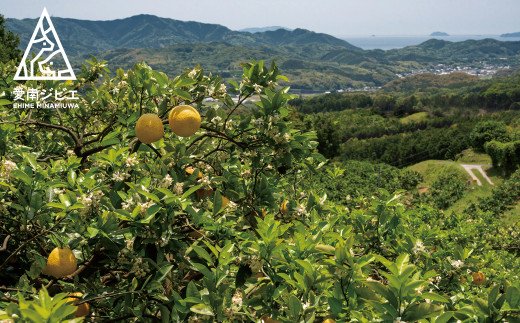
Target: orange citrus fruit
184, 120
149, 128
60, 263
478, 278
283, 207
82, 309
190, 170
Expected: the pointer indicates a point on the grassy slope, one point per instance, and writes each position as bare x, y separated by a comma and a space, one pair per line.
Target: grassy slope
415, 117
430, 169
469, 156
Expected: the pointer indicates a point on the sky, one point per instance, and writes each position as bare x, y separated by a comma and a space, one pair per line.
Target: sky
335, 17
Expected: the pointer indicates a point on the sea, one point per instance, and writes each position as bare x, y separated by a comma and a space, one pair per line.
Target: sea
392, 42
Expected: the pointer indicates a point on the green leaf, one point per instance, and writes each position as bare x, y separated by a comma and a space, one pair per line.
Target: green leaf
444, 317
4, 102
182, 94
64, 198
18, 174
202, 309
71, 177
481, 305
32, 160
435, 297
402, 263
92, 232
493, 295
335, 305
149, 195
191, 290
420, 311
203, 254
217, 203
191, 190
513, 296
163, 272
383, 291
295, 307
57, 205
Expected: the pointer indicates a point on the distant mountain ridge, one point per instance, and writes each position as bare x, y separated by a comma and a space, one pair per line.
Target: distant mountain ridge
255, 30
148, 31
312, 61
439, 34
517, 34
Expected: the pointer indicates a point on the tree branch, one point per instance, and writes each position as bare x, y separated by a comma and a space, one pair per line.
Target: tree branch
57, 127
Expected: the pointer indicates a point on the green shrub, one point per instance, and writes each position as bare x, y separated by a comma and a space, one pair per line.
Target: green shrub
486, 131
447, 189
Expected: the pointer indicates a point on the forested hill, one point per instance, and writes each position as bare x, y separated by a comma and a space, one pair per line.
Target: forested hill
314, 62
148, 31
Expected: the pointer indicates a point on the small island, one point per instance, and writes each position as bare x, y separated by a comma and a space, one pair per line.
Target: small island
439, 34
511, 35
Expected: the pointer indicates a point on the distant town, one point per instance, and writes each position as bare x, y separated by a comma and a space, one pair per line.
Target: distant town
483, 70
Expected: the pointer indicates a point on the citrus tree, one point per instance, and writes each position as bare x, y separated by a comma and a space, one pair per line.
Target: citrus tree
187, 199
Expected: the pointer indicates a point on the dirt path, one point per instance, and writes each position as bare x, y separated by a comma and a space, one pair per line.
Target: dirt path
469, 169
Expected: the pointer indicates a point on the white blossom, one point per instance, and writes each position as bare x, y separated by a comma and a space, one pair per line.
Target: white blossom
145, 206
237, 299
7, 167
257, 87
178, 188
128, 204
216, 120
205, 180
193, 73
232, 205
115, 90
86, 200
418, 247
222, 89
166, 181
131, 161
58, 191
300, 209
120, 176
457, 263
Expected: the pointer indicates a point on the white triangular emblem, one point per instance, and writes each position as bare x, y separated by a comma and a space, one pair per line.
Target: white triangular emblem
48, 50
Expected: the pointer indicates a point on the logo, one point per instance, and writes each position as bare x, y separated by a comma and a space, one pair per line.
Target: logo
50, 62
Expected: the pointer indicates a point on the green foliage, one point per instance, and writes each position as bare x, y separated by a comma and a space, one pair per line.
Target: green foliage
440, 95
447, 188
409, 148
9, 50
486, 131
505, 155
345, 182
402, 299
504, 196
43, 308
153, 245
